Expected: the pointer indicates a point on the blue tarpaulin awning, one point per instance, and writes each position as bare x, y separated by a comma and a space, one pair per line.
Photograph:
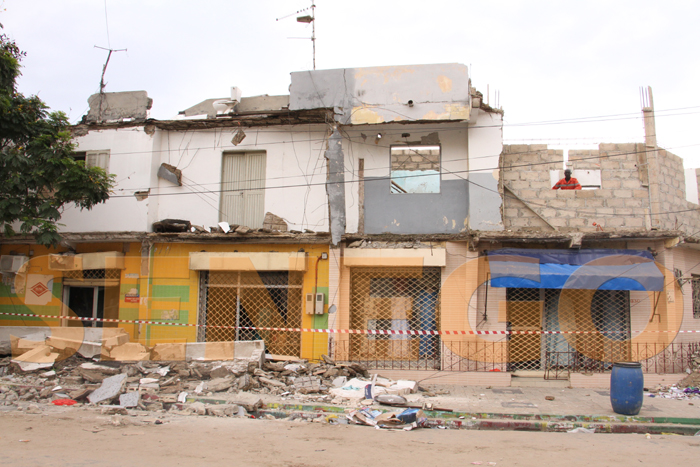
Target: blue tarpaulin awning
592, 269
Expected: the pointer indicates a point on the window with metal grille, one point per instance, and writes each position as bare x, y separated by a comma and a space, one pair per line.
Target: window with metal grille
696, 296
93, 274
395, 300
239, 305
415, 169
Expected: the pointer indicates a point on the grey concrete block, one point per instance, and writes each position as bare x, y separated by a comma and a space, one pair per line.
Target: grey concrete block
110, 388
129, 399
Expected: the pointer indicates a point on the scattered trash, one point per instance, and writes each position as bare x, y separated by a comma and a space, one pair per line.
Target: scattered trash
64, 402
390, 399
582, 430
549, 398
24, 440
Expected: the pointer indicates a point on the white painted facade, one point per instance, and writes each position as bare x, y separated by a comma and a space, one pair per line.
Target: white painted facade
295, 170
294, 185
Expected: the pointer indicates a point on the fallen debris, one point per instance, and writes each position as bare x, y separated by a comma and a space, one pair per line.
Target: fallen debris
111, 387
196, 385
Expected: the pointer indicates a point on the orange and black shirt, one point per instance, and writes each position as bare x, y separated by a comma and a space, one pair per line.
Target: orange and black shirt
572, 184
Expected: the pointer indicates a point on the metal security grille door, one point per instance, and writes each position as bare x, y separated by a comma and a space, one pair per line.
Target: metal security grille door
583, 328
396, 299
524, 315
254, 300
243, 189
696, 296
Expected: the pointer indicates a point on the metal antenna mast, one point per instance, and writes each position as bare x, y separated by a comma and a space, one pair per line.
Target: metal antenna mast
306, 19
102, 79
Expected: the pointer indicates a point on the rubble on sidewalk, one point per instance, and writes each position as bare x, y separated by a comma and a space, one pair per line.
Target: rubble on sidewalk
687, 388
193, 387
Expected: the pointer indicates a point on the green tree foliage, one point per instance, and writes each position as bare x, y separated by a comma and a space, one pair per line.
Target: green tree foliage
38, 174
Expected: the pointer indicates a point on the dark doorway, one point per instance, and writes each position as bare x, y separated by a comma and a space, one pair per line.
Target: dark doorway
86, 302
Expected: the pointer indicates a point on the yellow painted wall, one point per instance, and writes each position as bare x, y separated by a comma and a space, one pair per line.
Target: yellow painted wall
161, 287
169, 264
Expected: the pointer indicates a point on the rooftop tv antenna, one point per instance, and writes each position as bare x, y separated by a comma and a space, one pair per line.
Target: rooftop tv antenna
104, 68
306, 19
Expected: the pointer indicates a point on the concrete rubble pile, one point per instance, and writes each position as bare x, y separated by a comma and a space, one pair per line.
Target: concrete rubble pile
191, 387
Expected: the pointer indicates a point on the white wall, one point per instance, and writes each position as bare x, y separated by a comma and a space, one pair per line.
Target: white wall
295, 172
295, 165
130, 160
485, 142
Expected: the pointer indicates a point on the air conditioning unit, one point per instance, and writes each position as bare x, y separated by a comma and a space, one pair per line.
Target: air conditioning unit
314, 303
12, 263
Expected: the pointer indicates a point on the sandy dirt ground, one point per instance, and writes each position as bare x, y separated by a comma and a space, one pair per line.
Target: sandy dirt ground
87, 438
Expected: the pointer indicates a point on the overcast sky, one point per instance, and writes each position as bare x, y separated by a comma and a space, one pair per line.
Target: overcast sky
550, 61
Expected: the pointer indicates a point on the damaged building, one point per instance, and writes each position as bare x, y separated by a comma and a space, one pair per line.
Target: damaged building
373, 215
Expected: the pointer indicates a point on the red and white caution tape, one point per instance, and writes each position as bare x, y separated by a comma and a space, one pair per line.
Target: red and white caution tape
328, 331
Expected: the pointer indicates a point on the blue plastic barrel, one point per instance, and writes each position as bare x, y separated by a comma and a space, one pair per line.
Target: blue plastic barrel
627, 388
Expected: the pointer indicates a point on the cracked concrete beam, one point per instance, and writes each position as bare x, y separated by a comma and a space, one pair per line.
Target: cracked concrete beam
335, 186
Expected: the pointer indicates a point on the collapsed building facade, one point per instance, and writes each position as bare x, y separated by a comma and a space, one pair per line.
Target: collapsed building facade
373, 215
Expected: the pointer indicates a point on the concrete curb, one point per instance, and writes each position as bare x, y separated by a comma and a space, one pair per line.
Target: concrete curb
505, 421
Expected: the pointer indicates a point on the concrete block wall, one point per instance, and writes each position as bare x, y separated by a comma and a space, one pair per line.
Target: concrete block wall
672, 196
525, 171
620, 203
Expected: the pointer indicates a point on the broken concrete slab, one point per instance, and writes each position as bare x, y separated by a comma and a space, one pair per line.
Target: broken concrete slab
271, 382
220, 372
220, 384
40, 354
29, 366
129, 352
104, 369
65, 344
340, 381
222, 410
307, 384
22, 345
197, 408
130, 399
169, 352
412, 386
250, 402
118, 106
113, 337
210, 351
274, 222
91, 376
110, 388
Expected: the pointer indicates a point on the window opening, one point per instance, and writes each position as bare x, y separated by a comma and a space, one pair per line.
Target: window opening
415, 169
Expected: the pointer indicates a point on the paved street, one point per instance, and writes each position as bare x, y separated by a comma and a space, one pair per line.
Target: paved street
83, 437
